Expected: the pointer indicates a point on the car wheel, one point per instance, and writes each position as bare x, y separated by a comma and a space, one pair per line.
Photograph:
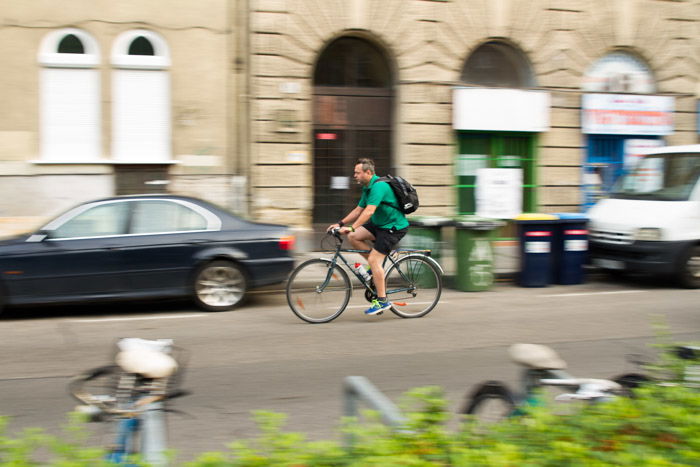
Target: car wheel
219, 286
689, 271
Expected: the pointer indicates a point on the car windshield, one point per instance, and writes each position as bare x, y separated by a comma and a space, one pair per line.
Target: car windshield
660, 177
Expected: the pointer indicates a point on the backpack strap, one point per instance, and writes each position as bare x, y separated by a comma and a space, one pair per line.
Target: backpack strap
386, 180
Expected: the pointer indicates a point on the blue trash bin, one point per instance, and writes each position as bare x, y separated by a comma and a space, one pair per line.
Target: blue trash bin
570, 249
536, 234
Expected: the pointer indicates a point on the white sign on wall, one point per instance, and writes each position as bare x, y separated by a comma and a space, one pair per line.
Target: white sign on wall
499, 193
627, 114
485, 109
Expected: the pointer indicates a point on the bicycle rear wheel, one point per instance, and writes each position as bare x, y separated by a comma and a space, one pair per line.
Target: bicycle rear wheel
318, 291
413, 286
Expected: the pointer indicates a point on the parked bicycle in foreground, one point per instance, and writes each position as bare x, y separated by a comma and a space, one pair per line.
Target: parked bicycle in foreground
493, 401
132, 393
318, 290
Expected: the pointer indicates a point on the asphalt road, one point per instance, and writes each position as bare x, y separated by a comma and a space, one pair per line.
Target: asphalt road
261, 357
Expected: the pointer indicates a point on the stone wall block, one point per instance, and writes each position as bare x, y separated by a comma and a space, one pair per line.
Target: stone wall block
425, 153
271, 66
562, 156
564, 117
427, 134
267, 21
436, 195
559, 196
427, 113
559, 176
295, 175
428, 174
298, 198
562, 137
282, 153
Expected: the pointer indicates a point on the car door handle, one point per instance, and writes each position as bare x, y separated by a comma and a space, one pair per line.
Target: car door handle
112, 247
197, 241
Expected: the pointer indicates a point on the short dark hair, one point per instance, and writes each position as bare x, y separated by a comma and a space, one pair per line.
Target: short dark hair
367, 164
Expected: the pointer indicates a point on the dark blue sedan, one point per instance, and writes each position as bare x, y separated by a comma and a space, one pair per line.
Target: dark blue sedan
142, 247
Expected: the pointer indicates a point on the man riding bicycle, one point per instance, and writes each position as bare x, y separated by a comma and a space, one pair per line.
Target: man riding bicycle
376, 218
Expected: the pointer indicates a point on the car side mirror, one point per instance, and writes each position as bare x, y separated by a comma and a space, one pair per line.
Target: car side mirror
40, 236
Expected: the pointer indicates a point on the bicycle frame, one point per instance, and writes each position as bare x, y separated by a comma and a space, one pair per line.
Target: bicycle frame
390, 257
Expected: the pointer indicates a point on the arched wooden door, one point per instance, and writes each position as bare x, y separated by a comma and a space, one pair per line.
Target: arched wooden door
352, 118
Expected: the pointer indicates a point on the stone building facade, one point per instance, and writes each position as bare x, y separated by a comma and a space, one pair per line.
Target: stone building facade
268, 102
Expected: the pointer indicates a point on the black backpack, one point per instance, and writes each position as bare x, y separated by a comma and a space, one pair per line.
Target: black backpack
406, 195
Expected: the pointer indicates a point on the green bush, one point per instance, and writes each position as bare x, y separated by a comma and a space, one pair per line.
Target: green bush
659, 426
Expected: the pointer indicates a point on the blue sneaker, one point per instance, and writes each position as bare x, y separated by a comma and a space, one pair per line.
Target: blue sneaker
378, 307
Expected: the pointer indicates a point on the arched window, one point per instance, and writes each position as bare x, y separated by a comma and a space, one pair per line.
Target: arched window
70, 115
141, 130
350, 61
619, 72
500, 65
70, 44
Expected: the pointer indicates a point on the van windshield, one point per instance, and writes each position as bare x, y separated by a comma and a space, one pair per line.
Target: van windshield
660, 177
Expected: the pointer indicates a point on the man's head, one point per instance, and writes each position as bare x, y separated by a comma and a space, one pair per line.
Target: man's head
364, 171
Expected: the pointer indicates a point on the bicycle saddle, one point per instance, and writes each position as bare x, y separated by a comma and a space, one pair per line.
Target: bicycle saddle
146, 362
536, 356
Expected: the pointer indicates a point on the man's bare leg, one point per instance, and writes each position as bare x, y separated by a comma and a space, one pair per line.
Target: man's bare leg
360, 239
376, 260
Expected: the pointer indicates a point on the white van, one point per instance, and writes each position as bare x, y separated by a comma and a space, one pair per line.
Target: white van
651, 220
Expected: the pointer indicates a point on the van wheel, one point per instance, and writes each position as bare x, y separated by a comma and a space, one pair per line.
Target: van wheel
689, 273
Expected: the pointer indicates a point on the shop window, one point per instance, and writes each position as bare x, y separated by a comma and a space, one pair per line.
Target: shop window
141, 102
499, 65
69, 94
497, 150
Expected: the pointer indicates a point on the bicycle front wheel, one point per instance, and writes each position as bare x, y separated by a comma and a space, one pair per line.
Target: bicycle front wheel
97, 387
491, 405
413, 285
318, 291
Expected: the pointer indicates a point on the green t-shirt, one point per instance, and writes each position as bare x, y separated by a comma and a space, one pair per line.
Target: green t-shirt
385, 217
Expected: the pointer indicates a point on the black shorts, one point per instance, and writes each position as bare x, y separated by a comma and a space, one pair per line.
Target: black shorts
385, 239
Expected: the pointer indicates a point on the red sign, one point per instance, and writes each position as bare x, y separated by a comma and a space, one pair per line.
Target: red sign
537, 233
327, 136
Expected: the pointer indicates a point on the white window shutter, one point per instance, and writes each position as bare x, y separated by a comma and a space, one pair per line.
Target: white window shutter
141, 116
70, 115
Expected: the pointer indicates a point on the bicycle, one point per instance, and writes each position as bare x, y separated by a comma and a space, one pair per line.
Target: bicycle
493, 401
686, 359
318, 290
132, 392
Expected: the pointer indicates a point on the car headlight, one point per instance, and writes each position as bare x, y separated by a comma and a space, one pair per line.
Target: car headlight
648, 234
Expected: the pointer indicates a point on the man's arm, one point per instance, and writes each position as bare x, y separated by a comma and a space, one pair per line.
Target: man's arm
347, 220
364, 217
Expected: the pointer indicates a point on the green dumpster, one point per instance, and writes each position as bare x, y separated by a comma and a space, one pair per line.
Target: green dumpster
425, 233
474, 252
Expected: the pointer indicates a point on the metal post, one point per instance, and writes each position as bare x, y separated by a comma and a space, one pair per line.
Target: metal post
153, 435
359, 388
